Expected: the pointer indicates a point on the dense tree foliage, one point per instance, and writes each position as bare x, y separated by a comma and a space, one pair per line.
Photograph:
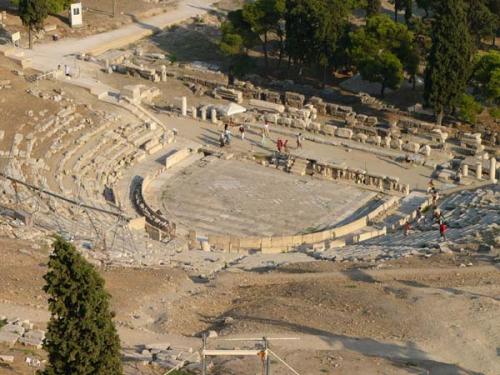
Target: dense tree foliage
382, 50
308, 31
57, 6
449, 63
482, 22
469, 109
53, 6
264, 17
373, 7
486, 76
81, 338
319, 37
426, 5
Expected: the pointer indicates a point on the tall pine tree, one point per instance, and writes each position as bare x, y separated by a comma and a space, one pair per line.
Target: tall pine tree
450, 59
81, 337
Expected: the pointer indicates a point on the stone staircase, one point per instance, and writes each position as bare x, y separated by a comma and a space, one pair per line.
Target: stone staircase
299, 167
471, 216
406, 209
139, 111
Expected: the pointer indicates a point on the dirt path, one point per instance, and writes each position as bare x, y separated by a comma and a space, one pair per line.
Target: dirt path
47, 56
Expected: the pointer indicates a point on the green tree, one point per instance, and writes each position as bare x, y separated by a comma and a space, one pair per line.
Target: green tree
237, 24
449, 61
381, 41
300, 31
384, 68
53, 6
33, 13
373, 7
494, 7
237, 38
495, 112
314, 31
486, 76
57, 6
264, 18
231, 43
330, 17
81, 338
469, 109
482, 22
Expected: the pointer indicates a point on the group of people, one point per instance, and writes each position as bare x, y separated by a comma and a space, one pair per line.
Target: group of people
225, 137
437, 215
282, 145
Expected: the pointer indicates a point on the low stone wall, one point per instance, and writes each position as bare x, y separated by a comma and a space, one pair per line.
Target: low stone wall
382, 209
280, 244
365, 236
383, 183
175, 157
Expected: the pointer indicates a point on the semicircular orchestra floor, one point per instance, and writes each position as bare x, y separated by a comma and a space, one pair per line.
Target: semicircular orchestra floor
243, 198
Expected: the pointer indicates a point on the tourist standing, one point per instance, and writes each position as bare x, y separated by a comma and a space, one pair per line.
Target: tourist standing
442, 230
228, 135
266, 129
242, 132
407, 227
299, 140
279, 144
222, 139
430, 186
435, 198
419, 215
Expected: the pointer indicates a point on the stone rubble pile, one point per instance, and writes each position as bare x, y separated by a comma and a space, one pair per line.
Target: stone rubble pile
22, 331
164, 355
5, 84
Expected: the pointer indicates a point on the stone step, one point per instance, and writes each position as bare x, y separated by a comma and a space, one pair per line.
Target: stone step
210, 224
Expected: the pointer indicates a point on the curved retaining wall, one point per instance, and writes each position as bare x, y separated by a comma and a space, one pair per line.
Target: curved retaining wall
159, 226
279, 244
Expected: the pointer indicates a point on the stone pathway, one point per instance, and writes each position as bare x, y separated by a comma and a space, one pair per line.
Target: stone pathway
47, 56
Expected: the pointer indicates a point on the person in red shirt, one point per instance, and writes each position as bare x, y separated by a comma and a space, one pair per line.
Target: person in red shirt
407, 227
442, 230
279, 144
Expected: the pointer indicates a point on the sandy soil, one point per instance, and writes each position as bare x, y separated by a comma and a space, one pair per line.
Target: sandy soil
408, 316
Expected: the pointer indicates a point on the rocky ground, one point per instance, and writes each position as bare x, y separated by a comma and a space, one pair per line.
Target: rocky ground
436, 315
394, 305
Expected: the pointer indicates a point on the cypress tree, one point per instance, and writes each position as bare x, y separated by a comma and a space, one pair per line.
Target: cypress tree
450, 59
81, 338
